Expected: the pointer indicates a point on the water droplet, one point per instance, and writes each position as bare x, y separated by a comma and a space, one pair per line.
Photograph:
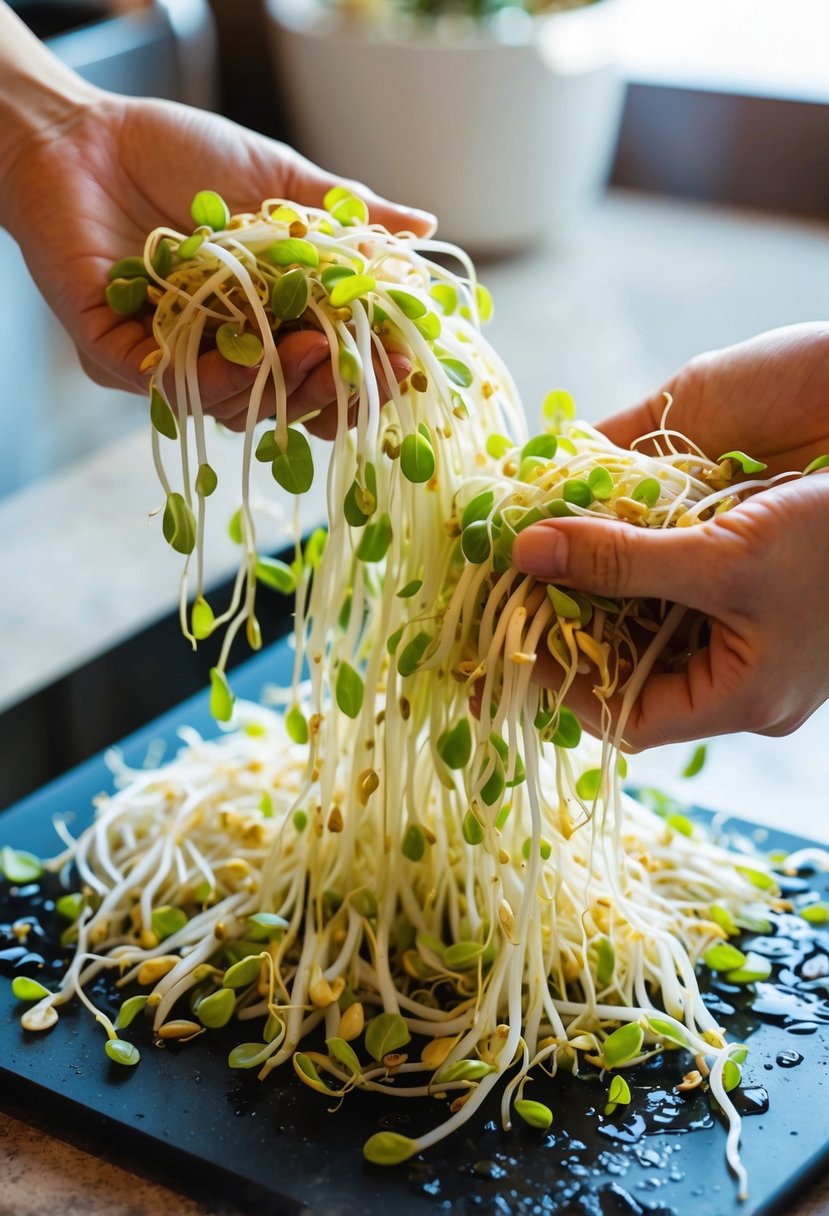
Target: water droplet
788, 1059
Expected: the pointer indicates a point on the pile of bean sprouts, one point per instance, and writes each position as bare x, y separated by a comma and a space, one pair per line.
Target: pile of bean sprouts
381, 886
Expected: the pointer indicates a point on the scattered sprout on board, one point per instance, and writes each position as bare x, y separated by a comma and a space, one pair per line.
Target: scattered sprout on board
379, 886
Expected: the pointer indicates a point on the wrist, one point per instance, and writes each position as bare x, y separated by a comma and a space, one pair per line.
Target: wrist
40, 100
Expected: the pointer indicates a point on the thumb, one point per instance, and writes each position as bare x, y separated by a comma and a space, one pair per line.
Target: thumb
619, 559
309, 184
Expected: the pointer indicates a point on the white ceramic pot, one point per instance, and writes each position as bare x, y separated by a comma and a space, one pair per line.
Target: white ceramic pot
505, 129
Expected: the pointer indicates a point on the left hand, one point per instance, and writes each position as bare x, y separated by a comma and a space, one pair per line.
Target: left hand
82, 195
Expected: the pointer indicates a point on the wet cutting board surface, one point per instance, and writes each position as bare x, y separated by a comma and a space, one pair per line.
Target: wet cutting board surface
276, 1146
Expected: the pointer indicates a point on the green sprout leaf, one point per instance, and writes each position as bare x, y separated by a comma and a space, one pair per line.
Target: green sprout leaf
349, 690
446, 296
647, 491
243, 973
162, 259
388, 1148
731, 1075
722, 917
600, 483
462, 955
497, 446
190, 246
126, 296
216, 1010
293, 469
820, 462
414, 843
122, 1052
623, 1045
209, 210
666, 1030
589, 784
202, 619
127, 268
456, 371
723, 957
478, 508
578, 492
412, 653
463, 1070
129, 1011
410, 589
70, 906
455, 745
289, 297
346, 290
483, 299
221, 698
293, 251
568, 730
386, 1033
605, 961
346, 208
315, 547
558, 407
206, 480
276, 574
167, 920
619, 1092
563, 604
344, 1054
757, 878
815, 914
25, 989
417, 458
409, 305
178, 524
375, 541
746, 463
296, 725
475, 542
754, 970
472, 829
238, 346
247, 1055
536, 1114
542, 446
19, 866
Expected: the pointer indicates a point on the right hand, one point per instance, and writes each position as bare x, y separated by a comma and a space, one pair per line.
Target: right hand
759, 572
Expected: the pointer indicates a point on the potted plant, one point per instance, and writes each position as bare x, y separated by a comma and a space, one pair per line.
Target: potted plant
496, 115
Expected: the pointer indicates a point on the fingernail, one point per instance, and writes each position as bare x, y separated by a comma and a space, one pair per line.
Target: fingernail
541, 551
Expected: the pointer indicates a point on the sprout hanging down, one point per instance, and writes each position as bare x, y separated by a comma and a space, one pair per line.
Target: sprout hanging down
379, 886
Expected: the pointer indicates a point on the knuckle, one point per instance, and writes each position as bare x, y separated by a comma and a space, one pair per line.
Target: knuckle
611, 559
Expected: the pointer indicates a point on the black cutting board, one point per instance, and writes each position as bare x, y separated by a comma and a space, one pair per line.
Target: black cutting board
275, 1147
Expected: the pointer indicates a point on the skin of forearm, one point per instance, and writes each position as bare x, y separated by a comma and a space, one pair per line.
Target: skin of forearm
39, 99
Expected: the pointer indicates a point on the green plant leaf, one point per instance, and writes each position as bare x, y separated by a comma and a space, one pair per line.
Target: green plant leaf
217, 1009
346, 290
375, 541
455, 745
293, 468
296, 725
815, 914
568, 730
344, 1054
477, 509
746, 463
578, 492
497, 446
410, 589
472, 829
388, 1148
276, 574
541, 446
289, 297
619, 1092
202, 619
563, 604
221, 698
475, 543
209, 210
247, 1055
126, 296
446, 296
666, 1030
820, 462
463, 1070
206, 480
178, 524
722, 917
243, 973
414, 843
558, 407
293, 251
386, 1033
601, 483
753, 970
536, 1114
238, 346
456, 371
417, 458
605, 961
190, 246
461, 956
129, 1011
412, 653
122, 1052
589, 784
19, 866
167, 920
26, 989
408, 304
623, 1044
723, 957
349, 690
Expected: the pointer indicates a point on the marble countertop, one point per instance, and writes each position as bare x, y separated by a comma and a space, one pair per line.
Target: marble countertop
642, 286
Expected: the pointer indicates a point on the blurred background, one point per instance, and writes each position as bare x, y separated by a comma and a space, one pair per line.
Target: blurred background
640, 180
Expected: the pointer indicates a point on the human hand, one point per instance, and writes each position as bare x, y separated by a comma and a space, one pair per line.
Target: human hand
80, 197
759, 572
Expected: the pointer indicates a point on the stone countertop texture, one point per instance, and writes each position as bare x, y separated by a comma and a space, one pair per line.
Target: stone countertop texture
641, 287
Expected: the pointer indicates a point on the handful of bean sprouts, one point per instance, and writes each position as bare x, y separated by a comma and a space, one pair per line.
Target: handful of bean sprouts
378, 887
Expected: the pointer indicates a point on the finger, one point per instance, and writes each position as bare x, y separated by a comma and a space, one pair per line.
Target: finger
626, 426
618, 559
308, 184
318, 393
